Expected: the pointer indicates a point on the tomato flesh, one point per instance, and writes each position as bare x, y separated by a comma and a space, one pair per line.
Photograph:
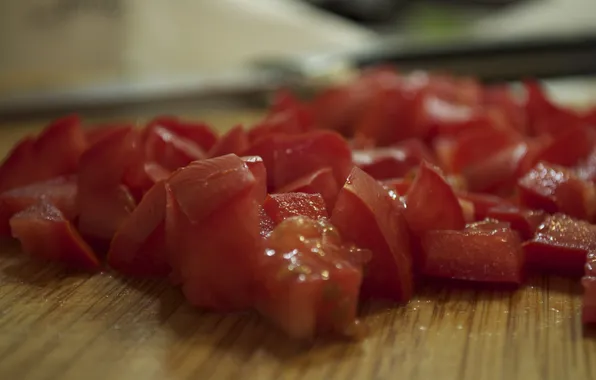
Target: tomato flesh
234, 141
283, 206
318, 182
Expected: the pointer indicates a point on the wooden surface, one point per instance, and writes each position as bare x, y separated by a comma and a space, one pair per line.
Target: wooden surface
60, 325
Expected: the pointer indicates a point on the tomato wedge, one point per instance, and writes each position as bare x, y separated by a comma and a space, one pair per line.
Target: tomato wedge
258, 170
170, 150
138, 247
318, 182
45, 233
366, 215
560, 245
234, 141
208, 202
61, 192
283, 206
306, 283
197, 132
474, 254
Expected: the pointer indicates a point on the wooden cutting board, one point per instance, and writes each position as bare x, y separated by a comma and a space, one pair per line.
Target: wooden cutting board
60, 325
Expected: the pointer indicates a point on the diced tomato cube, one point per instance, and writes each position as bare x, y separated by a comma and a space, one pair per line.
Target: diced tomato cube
318, 182
283, 206
209, 202
197, 132
234, 141
265, 222
560, 245
552, 188
523, 221
290, 157
366, 215
474, 254
61, 192
45, 233
138, 247
431, 203
307, 283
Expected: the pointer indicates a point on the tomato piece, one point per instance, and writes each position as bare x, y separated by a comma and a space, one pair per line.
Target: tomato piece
208, 202
525, 222
289, 157
399, 186
366, 215
103, 202
552, 188
560, 245
55, 152
170, 150
286, 101
98, 133
265, 222
318, 182
138, 247
586, 169
306, 283
474, 254
477, 145
258, 170
234, 141
502, 98
197, 132
544, 117
571, 146
61, 192
45, 233
283, 206
483, 203
431, 203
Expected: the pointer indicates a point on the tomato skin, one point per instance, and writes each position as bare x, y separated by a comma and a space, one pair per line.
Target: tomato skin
485, 255
283, 206
556, 189
170, 150
399, 186
318, 182
45, 233
366, 215
431, 203
258, 170
525, 222
307, 284
96, 134
207, 202
61, 192
138, 247
103, 201
290, 157
197, 132
478, 145
560, 245
234, 141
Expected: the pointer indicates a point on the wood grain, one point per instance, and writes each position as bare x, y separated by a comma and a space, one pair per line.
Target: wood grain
60, 325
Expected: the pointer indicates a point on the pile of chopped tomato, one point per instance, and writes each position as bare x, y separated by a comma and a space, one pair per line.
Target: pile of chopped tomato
360, 193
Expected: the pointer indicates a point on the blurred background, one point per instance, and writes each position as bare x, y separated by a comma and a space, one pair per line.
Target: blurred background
74, 53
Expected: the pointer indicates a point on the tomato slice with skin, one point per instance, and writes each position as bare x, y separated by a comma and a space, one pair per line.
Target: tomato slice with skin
234, 141
306, 283
366, 215
431, 203
197, 132
560, 246
138, 247
290, 157
61, 192
318, 182
280, 207
207, 202
474, 254
45, 233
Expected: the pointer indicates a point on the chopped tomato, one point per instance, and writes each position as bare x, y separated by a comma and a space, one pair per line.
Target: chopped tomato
288, 116
474, 254
307, 283
258, 170
234, 141
61, 192
98, 133
55, 152
480, 144
399, 186
523, 221
45, 233
318, 182
366, 215
103, 201
560, 245
209, 202
571, 146
483, 203
265, 222
286, 101
170, 150
138, 247
552, 188
431, 203
283, 206
197, 132
290, 157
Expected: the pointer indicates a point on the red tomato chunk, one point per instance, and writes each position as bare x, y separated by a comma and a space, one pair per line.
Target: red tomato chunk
283, 206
